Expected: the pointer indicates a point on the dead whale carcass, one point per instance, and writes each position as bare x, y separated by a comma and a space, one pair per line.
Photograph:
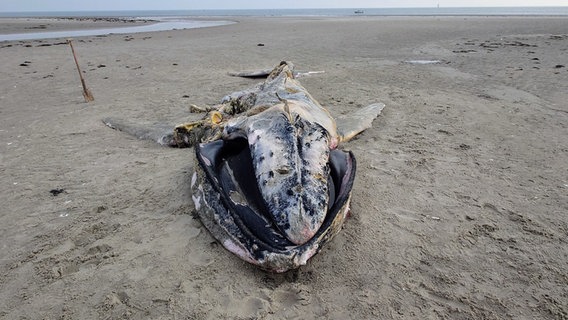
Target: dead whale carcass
269, 182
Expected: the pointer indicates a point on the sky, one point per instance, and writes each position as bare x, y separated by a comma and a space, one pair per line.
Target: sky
77, 5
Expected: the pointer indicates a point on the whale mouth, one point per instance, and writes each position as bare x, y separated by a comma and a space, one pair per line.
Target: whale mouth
237, 210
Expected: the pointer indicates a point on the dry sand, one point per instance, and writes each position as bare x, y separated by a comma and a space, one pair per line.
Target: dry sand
459, 207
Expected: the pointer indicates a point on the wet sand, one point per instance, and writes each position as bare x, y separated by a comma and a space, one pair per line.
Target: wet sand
32, 25
458, 210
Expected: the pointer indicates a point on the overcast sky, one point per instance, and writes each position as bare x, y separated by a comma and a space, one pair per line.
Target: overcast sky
78, 5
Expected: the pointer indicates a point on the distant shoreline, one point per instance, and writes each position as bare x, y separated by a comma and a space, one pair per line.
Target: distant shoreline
18, 29
53, 27
433, 11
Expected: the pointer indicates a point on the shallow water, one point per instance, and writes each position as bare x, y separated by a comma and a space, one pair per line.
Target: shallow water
423, 61
159, 26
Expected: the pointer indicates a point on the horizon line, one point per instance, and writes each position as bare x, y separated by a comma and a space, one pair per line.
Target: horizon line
311, 8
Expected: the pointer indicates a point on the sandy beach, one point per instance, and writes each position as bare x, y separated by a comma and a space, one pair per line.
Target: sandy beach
459, 209
31, 25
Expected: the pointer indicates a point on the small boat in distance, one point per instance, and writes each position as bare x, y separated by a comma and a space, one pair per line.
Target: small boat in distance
359, 11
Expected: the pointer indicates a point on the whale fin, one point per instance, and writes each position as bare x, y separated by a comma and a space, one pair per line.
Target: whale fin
350, 125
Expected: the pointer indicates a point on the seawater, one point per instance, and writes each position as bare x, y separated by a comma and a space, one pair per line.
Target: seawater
162, 25
470, 11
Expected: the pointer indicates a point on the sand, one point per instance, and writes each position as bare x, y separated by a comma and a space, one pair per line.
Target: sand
31, 25
459, 210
